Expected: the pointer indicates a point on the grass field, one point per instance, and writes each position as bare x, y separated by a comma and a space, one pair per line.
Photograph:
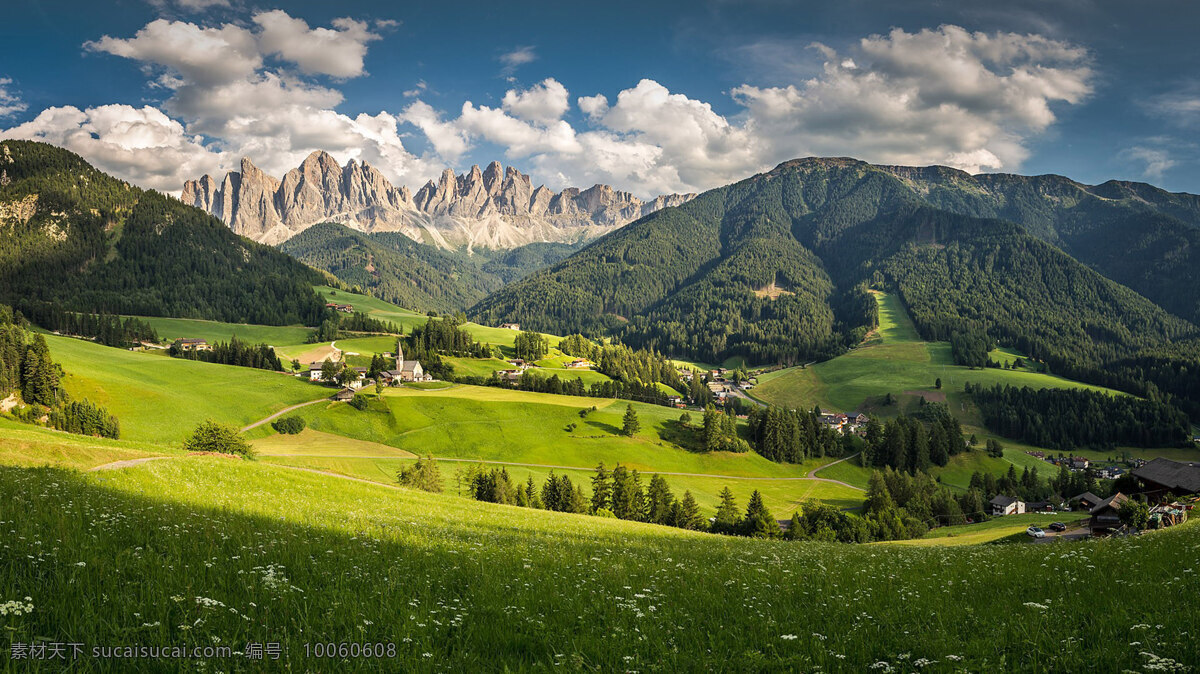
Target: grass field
159, 399
170, 329
993, 530
407, 319
214, 552
494, 424
891, 360
24, 445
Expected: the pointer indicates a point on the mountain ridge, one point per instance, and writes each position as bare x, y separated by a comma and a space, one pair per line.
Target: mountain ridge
495, 207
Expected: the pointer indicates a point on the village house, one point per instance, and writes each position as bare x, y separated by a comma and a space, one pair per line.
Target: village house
1006, 505
1078, 463
1104, 517
191, 344
685, 375
580, 363
861, 418
1109, 473
1054, 503
1085, 501
344, 308
510, 326
314, 371
675, 401
362, 374
511, 376
343, 395
1165, 479
518, 363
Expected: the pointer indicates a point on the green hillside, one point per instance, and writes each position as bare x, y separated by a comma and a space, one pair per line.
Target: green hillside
160, 399
774, 268
276, 555
92, 243
393, 267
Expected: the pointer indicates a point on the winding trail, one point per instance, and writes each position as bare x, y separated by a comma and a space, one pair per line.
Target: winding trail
280, 413
127, 463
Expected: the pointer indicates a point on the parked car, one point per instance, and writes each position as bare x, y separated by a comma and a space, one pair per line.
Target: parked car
1058, 526
1035, 532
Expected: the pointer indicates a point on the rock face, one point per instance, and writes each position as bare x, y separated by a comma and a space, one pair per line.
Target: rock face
490, 208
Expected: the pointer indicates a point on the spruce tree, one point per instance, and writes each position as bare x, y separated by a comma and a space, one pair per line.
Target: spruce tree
689, 512
758, 522
630, 424
726, 521
601, 488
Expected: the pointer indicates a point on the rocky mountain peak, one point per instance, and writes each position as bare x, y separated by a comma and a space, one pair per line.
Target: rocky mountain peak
496, 207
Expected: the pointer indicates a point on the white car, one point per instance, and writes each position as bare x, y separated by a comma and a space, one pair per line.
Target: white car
1035, 532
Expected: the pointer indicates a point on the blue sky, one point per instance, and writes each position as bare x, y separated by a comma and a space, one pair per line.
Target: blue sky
649, 97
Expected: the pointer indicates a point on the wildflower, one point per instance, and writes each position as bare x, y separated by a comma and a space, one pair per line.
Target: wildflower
789, 637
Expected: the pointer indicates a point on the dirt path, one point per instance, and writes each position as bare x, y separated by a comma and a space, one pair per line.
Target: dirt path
127, 463
817, 470
556, 467
280, 413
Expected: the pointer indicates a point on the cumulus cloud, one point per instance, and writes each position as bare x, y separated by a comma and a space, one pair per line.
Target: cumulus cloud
235, 90
338, 51
141, 145
937, 96
544, 102
10, 102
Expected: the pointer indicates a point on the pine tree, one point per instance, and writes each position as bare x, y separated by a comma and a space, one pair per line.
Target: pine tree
689, 512
659, 500
601, 488
758, 522
630, 424
727, 519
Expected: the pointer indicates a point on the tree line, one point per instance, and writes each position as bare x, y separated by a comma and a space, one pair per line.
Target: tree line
106, 329
1064, 419
233, 352
911, 444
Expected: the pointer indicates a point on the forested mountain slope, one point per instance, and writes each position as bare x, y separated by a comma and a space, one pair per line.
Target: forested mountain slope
72, 235
393, 267
774, 268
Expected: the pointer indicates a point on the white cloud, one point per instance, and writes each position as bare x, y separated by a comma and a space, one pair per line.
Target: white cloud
516, 58
10, 102
544, 103
231, 101
141, 145
338, 52
1158, 161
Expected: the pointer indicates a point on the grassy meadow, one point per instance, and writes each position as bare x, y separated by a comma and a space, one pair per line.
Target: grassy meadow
893, 359
170, 329
200, 550
159, 399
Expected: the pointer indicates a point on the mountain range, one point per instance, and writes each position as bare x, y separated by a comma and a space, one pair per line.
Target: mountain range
495, 208
1099, 281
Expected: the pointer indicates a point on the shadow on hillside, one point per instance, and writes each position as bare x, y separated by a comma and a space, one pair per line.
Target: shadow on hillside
688, 437
600, 425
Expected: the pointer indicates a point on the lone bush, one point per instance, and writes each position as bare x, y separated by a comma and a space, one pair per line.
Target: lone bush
289, 425
211, 436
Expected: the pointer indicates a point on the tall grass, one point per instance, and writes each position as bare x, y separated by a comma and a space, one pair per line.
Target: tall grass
211, 551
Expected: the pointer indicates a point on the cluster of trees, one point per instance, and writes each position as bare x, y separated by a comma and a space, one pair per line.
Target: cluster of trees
971, 348
1068, 418
628, 365
720, 432
233, 352
289, 425
620, 494
791, 436
1027, 485
212, 436
531, 380
531, 346
423, 474
911, 444
85, 418
105, 329
337, 325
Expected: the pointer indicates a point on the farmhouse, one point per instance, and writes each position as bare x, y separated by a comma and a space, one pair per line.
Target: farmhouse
1078, 463
1165, 479
511, 376
358, 383
314, 371
1104, 516
343, 395
510, 326
1050, 505
1086, 501
190, 344
580, 363
1007, 505
390, 377
344, 308
675, 401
